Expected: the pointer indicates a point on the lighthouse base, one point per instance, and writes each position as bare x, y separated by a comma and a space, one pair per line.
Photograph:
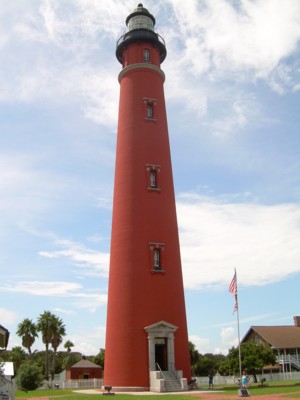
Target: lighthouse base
167, 381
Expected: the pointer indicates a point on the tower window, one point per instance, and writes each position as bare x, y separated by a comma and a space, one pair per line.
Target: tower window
156, 258
153, 182
156, 252
150, 106
146, 55
149, 110
153, 177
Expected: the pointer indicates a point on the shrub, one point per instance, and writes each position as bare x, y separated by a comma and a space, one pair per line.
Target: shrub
29, 376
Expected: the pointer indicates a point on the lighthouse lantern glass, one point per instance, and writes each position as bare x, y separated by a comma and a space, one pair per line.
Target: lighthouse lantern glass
140, 22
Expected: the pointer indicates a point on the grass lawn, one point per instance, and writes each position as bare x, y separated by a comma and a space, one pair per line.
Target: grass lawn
70, 394
285, 388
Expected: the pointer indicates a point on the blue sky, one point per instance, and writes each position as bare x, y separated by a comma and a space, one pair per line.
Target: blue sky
232, 94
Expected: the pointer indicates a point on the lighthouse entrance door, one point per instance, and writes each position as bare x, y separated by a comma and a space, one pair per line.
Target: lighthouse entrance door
161, 346
161, 353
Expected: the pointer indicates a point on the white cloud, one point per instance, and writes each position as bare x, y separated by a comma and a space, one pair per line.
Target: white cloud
228, 337
57, 61
261, 241
240, 110
94, 262
251, 36
24, 188
64, 311
203, 345
89, 300
38, 288
7, 317
65, 56
88, 342
28, 189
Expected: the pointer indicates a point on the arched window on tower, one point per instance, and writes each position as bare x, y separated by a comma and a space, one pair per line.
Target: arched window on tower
156, 259
156, 256
150, 108
153, 171
146, 55
153, 181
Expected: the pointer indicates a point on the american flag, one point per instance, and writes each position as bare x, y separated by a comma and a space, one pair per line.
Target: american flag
233, 290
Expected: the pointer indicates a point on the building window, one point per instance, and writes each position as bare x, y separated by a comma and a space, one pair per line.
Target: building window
153, 171
157, 259
149, 110
146, 55
153, 183
150, 106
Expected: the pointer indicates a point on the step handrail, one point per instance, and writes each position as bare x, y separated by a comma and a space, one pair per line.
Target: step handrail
160, 371
177, 375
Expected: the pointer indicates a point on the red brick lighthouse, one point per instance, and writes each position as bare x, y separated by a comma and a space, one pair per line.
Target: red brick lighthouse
146, 333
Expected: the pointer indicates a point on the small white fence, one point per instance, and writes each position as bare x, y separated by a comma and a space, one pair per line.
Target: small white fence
233, 380
75, 384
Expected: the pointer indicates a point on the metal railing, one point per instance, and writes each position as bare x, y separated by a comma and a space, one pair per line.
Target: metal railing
289, 359
145, 33
160, 370
176, 373
7, 389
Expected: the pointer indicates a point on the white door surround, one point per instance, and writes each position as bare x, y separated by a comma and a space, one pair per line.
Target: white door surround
164, 330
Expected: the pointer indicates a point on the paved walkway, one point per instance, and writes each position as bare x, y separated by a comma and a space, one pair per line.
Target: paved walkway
219, 396
201, 395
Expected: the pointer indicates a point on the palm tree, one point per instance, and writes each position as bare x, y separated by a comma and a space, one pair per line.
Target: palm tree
46, 325
57, 337
68, 345
27, 330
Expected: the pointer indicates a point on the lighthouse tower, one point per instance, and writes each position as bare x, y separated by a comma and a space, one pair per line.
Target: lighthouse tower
146, 332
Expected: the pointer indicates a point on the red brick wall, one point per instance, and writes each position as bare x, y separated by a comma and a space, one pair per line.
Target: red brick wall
80, 373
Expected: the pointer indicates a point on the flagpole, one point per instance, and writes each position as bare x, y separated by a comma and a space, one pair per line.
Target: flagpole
233, 289
238, 326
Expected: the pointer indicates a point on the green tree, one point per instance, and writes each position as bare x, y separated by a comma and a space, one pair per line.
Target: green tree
204, 365
17, 355
67, 361
4, 355
29, 376
253, 357
70, 360
50, 327
194, 354
256, 356
208, 362
225, 367
194, 357
68, 345
28, 332
99, 358
38, 357
58, 332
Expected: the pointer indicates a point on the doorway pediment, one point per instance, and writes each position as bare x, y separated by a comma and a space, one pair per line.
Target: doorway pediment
161, 327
